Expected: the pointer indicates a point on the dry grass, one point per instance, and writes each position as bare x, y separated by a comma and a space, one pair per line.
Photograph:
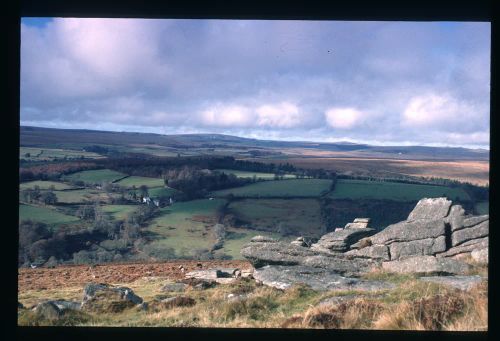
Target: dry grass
412, 305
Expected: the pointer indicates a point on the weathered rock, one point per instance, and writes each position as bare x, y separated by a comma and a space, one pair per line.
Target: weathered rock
236, 298
107, 298
475, 220
341, 264
356, 225
466, 247
263, 239
67, 305
362, 220
405, 231
178, 301
48, 310
283, 277
362, 243
475, 232
376, 252
427, 265
144, 306
303, 241
430, 208
260, 254
420, 247
480, 256
460, 282
340, 241
456, 217
174, 287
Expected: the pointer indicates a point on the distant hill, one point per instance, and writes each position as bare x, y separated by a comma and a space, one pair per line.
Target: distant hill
77, 138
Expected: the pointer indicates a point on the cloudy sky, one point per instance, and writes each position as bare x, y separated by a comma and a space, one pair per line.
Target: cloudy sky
372, 82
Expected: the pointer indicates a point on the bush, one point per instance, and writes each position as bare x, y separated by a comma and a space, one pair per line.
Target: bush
120, 245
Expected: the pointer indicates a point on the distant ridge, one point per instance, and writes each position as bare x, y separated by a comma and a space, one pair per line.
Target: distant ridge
38, 136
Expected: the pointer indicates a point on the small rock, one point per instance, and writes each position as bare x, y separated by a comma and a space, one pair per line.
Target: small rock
178, 301
20, 305
263, 239
48, 310
174, 287
144, 306
107, 298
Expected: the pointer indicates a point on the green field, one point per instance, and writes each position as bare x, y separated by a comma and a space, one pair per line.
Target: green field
482, 207
82, 196
258, 175
139, 181
161, 192
96, 176
364, 189
44, 215
119, 212
236, 238
49, 154
295, 216
186, 226
44, 185
280, 188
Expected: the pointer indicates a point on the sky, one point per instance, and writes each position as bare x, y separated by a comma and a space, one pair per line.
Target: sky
383, 83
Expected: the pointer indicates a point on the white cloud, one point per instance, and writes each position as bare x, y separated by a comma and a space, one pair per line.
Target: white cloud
227, 116
343, 118
282, 115
432, 109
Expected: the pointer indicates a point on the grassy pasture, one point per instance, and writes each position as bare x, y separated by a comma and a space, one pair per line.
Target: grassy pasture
139, 181
364, 189
297, 216
237, 237
96, 176
186, 226
161, 192
119, 212
44, 215
81, 196
48, 154
44, 185
280, 188
258, 175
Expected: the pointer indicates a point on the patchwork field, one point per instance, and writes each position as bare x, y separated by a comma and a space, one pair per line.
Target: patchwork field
139, 181
82, 196
44, 185
49, 154
258, 175
119, 212
280, 188
237, 237
96, 176
161, 192
357, 189
44, 215
185, 226
293, 216
475, 172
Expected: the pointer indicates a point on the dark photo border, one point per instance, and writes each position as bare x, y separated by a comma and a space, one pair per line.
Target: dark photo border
377, 10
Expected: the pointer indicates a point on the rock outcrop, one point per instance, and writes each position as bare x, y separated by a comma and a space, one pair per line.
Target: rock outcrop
283, 277
426, 242
107, 298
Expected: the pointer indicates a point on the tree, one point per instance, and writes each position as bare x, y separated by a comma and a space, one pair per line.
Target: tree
49, 198
143, 190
